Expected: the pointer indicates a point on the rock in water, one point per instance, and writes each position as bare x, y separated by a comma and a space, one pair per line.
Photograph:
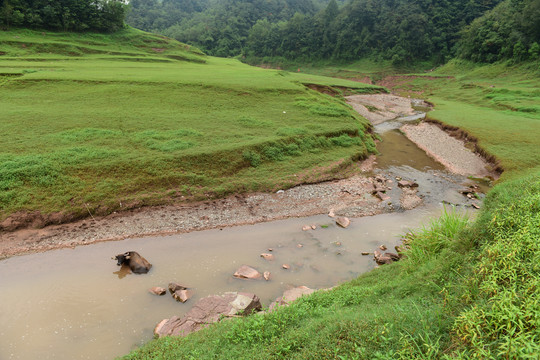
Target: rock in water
266, 275
209, 310
182, 295
173, 287
247, 272
267, 256
156, 290
343, 221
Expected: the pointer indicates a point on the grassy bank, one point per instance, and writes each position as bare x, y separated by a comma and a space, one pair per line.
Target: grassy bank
466, 290
94, 123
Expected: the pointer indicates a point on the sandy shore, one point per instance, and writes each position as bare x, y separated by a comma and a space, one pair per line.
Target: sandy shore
349, 197
381, 107
447, 150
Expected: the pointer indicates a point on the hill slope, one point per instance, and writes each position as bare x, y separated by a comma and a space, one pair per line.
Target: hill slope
94, 123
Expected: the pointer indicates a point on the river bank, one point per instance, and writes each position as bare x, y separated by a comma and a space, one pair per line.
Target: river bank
353, 197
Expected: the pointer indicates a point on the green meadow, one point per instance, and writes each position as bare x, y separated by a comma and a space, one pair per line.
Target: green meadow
97, 123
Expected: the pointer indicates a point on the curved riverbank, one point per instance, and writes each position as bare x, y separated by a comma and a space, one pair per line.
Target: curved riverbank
353, 197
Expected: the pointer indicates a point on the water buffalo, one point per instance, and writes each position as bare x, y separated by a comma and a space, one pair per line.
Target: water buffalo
136, 262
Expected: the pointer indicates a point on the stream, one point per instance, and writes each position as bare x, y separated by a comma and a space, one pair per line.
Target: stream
75, 304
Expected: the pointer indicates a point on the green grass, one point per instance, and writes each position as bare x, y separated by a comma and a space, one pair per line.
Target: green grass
467, 290
106, 122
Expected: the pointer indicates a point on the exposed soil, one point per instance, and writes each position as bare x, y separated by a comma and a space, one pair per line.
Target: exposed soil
447, 150
353, 197
349, 197
395, 81
381, 107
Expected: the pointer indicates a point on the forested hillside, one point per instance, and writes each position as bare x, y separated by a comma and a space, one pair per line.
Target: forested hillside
304, 30
510, 30
219, 27
401, 31
72, 15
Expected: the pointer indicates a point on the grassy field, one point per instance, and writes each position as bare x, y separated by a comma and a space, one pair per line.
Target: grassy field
467, 290
98, 123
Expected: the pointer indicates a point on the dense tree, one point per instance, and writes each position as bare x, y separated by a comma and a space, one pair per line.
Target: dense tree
77, 15
510, 31
397, 30
219, 27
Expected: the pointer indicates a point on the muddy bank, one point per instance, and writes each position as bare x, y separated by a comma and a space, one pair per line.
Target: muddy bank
381, 107
349, 197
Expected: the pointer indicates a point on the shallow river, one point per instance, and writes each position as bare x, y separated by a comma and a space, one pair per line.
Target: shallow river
74, 304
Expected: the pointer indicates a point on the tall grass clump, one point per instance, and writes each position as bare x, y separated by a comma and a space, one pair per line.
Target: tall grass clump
441, 233
503, 293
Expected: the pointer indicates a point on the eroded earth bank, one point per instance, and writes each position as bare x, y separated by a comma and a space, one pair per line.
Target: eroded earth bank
440, 178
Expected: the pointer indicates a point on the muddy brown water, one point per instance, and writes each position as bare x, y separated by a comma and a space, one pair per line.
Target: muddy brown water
75, 304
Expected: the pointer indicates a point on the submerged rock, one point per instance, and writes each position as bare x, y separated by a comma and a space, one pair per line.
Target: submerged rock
247, 272
267, 256
266, 275
207, 311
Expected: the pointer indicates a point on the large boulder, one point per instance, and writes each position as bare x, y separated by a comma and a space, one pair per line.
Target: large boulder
207, 311
247, 272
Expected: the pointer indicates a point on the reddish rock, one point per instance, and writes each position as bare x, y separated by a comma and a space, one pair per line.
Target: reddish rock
266, 275
382, 196
386, 258
383, 247
247, 272
306, 227
299, 246
285, 266
343, 221
173, 287
268, 257
182, 295
207, 311
156, 290
290, 296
